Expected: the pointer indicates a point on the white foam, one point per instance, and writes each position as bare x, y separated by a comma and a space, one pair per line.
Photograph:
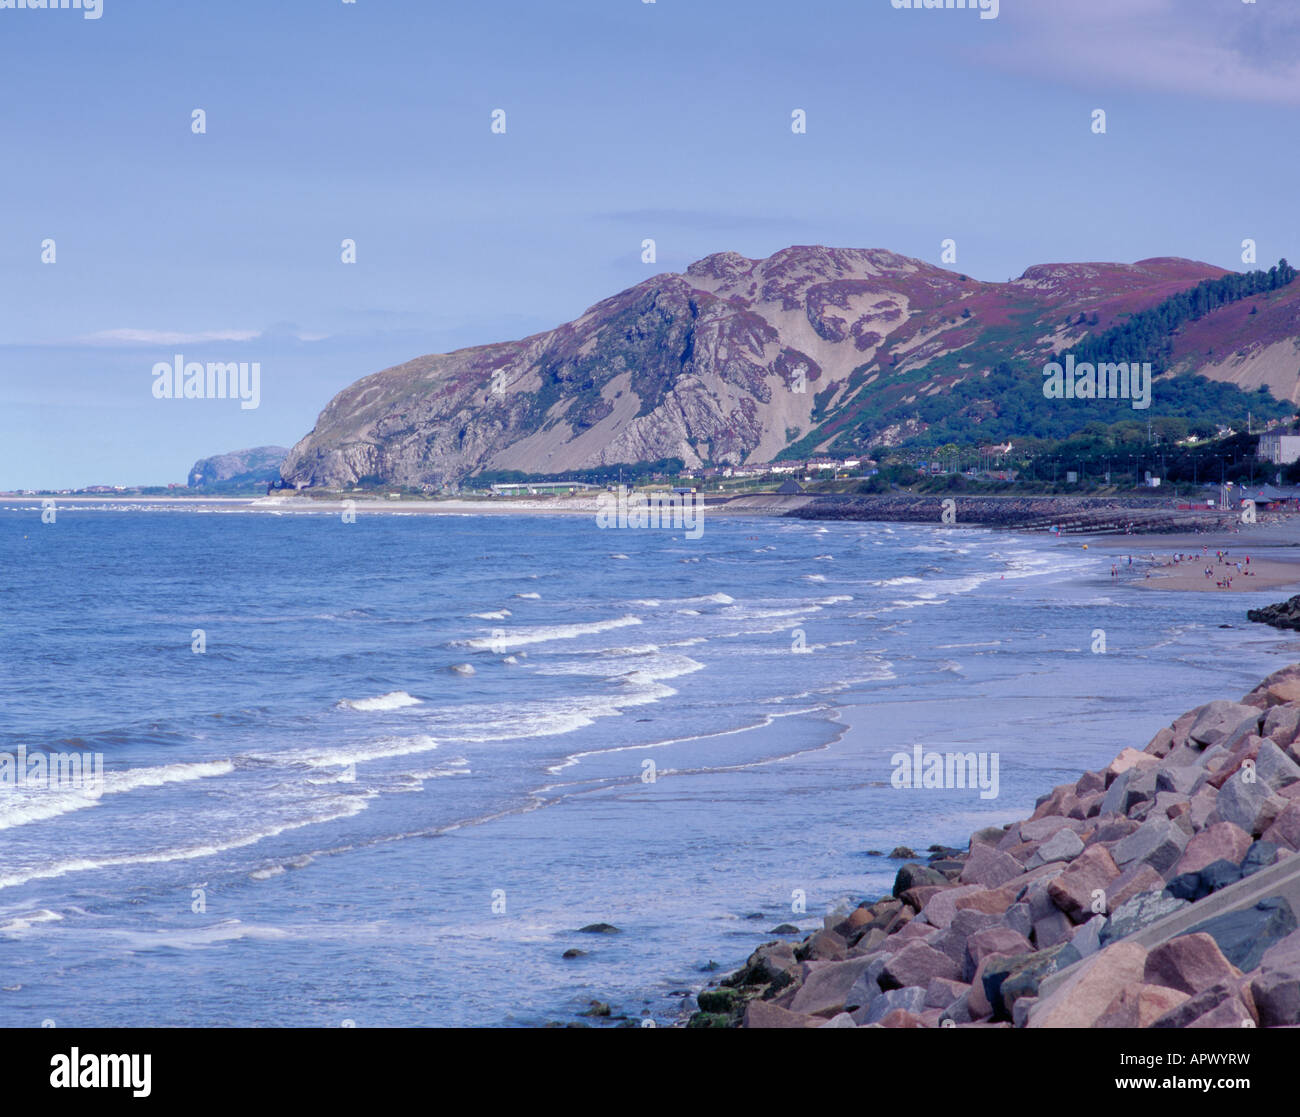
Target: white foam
19, 809
360, 754
395, 700
518, 637
27, 920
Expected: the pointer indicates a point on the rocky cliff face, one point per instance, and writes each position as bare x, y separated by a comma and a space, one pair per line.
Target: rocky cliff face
730, 362
246, 468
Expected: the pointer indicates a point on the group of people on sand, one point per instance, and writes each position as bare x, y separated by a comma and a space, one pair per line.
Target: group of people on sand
1221, 558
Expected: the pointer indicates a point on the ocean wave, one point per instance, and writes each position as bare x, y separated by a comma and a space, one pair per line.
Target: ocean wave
395, 700
518, 637
381, 749
345, 807
19, 809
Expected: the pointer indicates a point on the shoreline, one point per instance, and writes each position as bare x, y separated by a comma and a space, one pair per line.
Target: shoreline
1191, 842
1273, 547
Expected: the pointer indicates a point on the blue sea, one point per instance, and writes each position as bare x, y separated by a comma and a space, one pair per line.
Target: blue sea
381, 773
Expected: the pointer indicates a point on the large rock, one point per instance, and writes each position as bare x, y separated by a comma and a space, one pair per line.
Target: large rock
1010, 980
1198, 885
996, 940
1064, 845
1189, 963
1073, 891
1224, 841
917, 964
1248, 803
825, 989
762, 1014
1218, 720
1133, 881
1285, 829
910, 1000
913, 875
1275, 768
1179, 779
766, 964
1244, 936
942, 906
1140, 1006
952, 940
1200, 1006
1083, 998
1276, 995
1139, 912
1282, 725
989, 867
1128, 760
1261, 855
1158, 842
1040, 829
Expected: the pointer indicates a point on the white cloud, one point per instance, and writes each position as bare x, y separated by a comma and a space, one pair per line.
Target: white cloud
1222, 51
165, 337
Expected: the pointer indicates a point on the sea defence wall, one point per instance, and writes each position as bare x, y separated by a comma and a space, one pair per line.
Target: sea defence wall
1025, 513
1160, 891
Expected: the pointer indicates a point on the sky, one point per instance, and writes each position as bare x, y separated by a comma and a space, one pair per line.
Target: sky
372, 122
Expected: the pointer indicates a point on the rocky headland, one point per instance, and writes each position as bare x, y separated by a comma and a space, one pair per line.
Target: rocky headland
1160, 891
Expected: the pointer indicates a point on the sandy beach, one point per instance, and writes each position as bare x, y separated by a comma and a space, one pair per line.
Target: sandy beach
1273, 549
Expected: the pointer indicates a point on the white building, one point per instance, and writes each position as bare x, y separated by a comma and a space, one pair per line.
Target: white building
1279, 447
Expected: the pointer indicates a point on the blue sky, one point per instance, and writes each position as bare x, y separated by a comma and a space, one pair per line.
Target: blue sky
625, 120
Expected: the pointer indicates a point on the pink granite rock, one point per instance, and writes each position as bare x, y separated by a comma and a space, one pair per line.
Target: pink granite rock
942, 906
1161, 744
989, 867
1223, 841
1286, 827
996, 940
1140, 1006
1188, 963
1084, 997
762, 1014
917, 964
1282, 724
941, 992
1072, 892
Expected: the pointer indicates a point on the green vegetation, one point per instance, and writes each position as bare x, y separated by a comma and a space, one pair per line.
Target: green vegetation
1146, 336
665, 468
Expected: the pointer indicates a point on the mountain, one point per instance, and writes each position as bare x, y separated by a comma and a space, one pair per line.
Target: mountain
240, 469
708, 366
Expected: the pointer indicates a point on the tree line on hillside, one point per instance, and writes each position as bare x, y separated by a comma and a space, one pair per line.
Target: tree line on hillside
1148, 335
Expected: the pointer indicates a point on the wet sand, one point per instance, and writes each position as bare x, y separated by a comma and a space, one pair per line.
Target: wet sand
1274, 550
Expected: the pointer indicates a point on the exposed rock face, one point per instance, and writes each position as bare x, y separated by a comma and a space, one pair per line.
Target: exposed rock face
239, 468
728, 363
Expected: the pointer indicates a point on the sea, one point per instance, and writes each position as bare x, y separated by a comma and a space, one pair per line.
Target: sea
384, 772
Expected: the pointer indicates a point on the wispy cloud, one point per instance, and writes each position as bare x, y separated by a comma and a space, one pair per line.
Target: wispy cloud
1224, 51
164, 337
